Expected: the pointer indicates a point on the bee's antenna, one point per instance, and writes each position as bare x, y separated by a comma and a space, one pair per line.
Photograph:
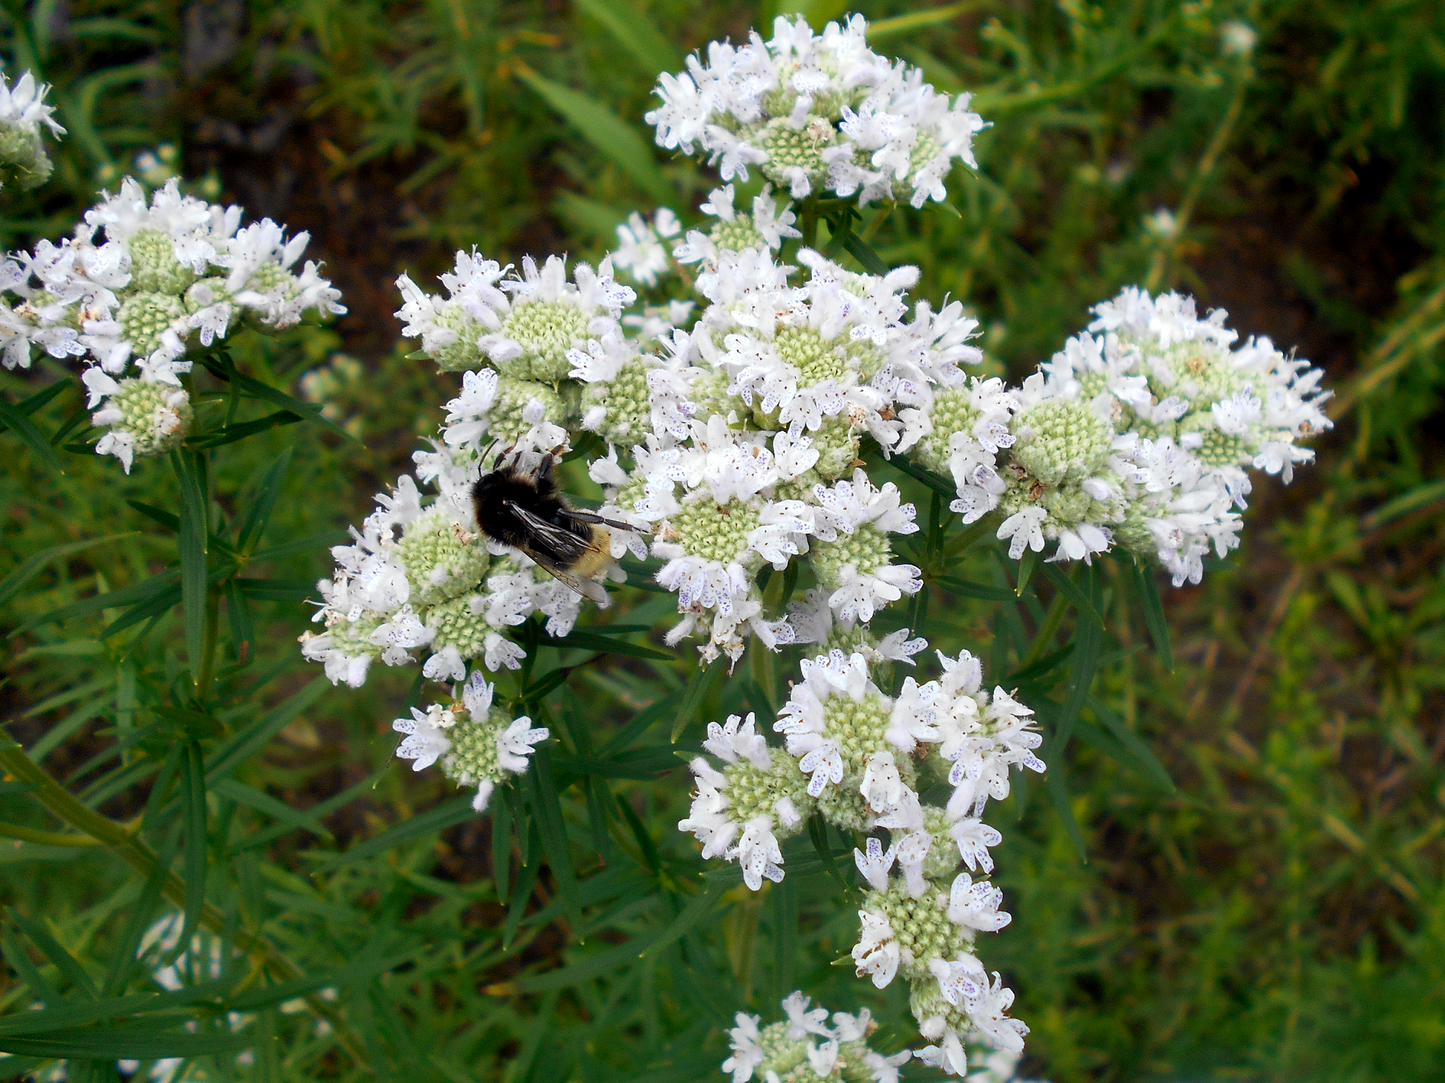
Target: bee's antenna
490, 446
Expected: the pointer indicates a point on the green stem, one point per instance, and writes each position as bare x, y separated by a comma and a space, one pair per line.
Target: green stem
124, 843
45, 838
1052, 619
809, 216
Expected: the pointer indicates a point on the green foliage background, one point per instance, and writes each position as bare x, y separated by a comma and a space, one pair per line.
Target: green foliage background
1273, 909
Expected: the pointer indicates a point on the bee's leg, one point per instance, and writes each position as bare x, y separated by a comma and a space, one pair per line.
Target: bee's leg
590, 517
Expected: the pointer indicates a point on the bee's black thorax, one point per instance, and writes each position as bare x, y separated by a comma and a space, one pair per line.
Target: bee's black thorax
497, 496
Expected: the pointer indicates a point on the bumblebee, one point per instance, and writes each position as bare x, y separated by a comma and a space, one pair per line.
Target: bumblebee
519, 505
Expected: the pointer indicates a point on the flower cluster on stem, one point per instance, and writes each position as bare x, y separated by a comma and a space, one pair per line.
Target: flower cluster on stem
140, 282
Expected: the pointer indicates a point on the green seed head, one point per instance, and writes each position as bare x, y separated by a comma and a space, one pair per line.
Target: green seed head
144, 317
464, 352
546, 330
717, 531
867, 548
1061, 440
153, 264
442, 559
158, 416
626, 399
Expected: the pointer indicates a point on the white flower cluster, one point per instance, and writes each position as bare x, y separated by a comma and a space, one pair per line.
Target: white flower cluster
136, 283
477, 743
23, 112
817, 113
803, 1048
419, 583
1139, 432
755, 421
860, 758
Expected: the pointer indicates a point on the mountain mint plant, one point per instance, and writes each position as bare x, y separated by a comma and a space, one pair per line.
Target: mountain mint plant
751, 410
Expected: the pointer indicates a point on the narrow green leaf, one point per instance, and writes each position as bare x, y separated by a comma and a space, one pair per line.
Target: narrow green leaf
501, 846
25, 429
640, 835
785, 935
860, 250
263, 802
635, 32
641, 722
115, 599
698, 686
253, 523
167, 520
938, 484
691, 915
1043, 667
32, 565
554, 833
29, 405
243, 629
367, 964
447, 814
276, 590
129, 1043
223, 368
974, 590
61, 959
229, 434
521, 890
900, 24
73, 1013
1406, 502
1028, 564
1136, 745
633, 763
19, 961
155, 607
138, 921
590, 641
192, 543
227, 755
601, 127
1059, 791
193, 798
1153, 612
1076, 597
1087, 640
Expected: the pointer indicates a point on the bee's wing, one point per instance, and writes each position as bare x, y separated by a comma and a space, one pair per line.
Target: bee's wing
567, 542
